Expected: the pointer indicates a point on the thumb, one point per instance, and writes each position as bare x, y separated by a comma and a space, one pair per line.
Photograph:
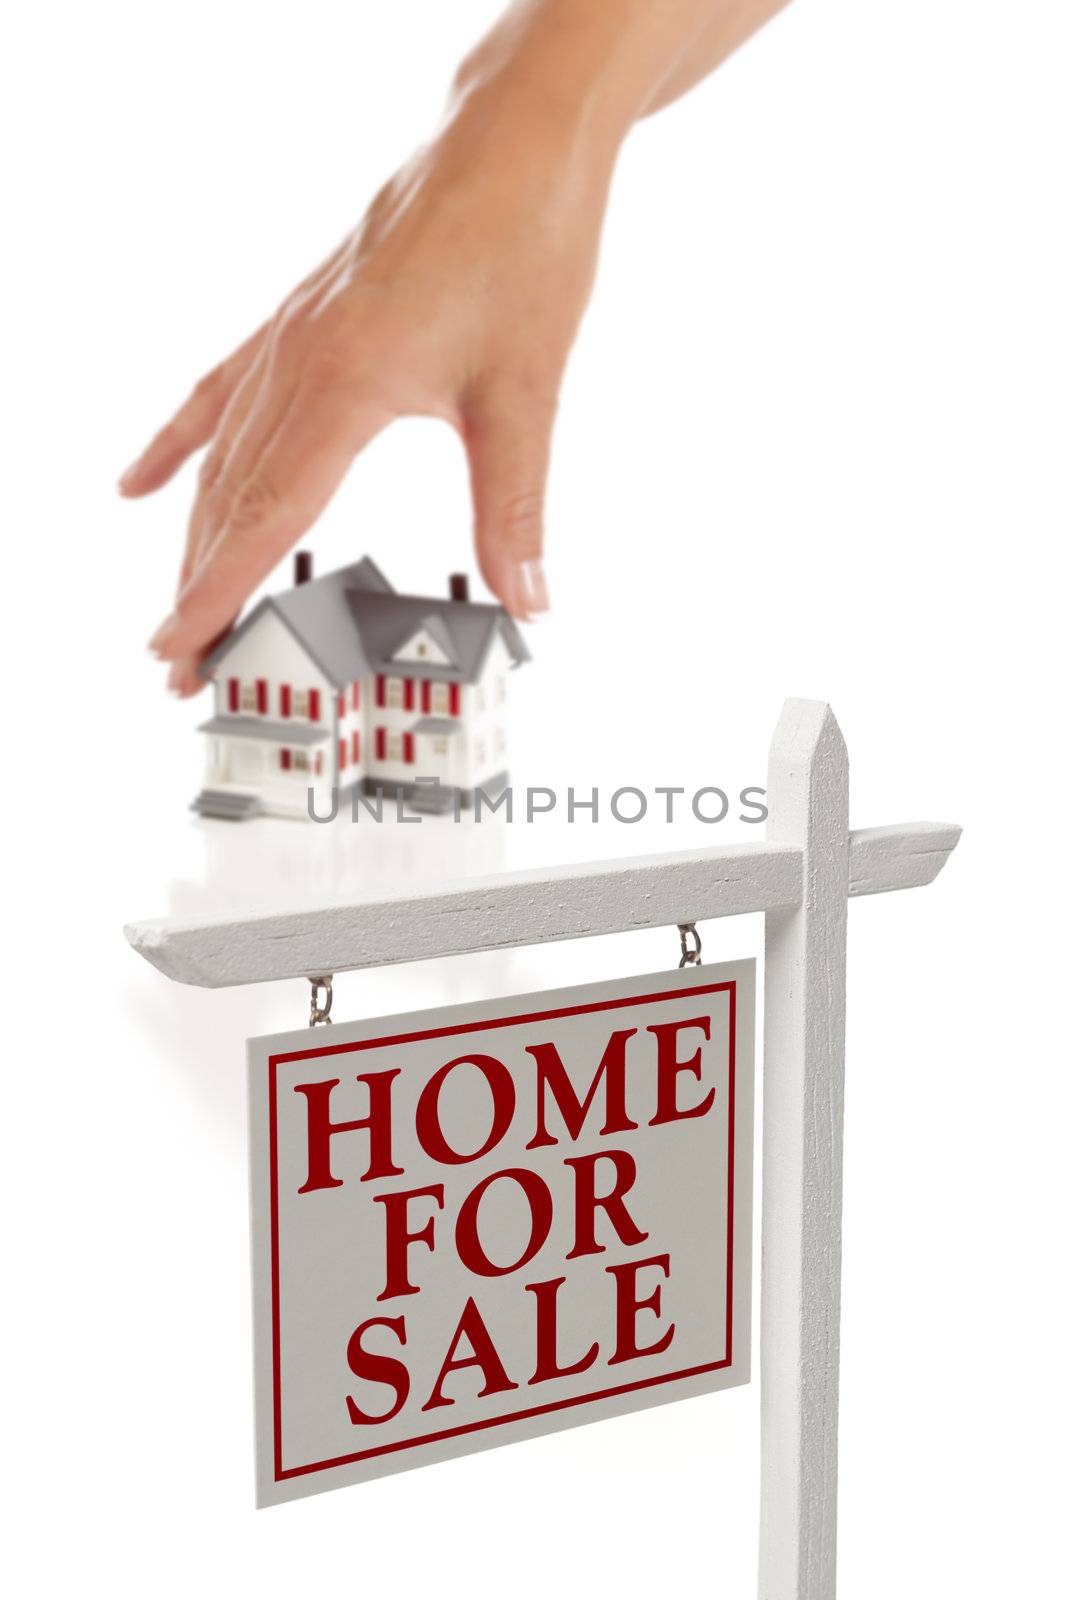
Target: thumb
508, 437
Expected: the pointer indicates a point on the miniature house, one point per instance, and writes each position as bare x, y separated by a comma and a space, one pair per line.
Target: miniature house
341, 683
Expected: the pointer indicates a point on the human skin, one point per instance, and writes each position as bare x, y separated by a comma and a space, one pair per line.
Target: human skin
457, 296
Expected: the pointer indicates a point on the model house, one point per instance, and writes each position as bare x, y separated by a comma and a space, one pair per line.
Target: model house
343, 683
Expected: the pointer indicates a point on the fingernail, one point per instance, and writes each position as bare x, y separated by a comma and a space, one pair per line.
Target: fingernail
164, 635
532, 585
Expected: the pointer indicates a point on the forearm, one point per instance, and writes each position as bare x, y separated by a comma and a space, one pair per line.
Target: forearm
598, 66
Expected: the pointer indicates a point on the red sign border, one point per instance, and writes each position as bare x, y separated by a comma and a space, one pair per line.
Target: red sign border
281, 1474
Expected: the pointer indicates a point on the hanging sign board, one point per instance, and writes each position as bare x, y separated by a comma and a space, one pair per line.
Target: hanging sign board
488, 1222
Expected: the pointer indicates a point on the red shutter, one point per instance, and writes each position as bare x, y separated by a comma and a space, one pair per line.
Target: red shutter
355, 749
341, 705
425, 696
313, 704
409, 748
453, 699
261, 696
287, 760
342, 754
409, 694
285, 697
233, 694
380, 689
355, 697
379, 743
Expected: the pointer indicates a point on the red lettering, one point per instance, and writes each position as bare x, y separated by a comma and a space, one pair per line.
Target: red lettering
427, 1114
378, 1369
378, 1122
468, 1243
668, 1068
587, 1202
627, 1306
546, 1295
398, 1236
552, 1074
483, 1355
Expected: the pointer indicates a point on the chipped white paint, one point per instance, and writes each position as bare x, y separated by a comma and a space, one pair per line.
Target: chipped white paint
802, 878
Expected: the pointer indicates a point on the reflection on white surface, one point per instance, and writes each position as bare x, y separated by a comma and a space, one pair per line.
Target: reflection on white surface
272, 861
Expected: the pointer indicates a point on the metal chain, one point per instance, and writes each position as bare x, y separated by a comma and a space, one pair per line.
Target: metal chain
690, 950
321, 1012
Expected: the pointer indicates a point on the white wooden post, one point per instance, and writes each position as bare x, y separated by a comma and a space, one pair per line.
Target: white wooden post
804, 1059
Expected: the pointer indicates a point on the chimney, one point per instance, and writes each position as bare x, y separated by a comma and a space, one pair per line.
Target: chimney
457, 586
302, 567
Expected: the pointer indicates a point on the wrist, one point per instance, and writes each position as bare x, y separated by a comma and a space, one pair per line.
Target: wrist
553, 77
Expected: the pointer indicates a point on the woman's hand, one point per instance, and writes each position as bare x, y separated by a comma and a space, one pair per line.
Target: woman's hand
458, 297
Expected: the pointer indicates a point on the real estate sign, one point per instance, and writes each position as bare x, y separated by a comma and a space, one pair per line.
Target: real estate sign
479, 1224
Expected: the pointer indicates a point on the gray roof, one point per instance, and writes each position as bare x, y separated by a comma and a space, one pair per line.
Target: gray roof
260, 728
439, 725
352, 621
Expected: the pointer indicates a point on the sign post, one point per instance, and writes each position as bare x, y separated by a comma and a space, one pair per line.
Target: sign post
801, 877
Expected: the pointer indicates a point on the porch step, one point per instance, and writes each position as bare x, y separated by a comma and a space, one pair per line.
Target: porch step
227, 805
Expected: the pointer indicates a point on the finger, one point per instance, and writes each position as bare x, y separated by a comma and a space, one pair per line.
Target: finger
288, 487
508, 432
184, 678
204, 518
192, 425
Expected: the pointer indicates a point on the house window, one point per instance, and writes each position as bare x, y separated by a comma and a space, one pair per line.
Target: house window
249, 698
300, 702
439, 701
440, 747
394, 747
300, 761
394, 693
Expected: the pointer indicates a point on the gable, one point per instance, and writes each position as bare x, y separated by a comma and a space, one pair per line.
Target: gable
266, 647
429, 644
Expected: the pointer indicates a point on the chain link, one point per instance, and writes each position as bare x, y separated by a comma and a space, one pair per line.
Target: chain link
691, 946
320, 1012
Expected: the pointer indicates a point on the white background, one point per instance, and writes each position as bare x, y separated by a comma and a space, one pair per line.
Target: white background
811, 443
